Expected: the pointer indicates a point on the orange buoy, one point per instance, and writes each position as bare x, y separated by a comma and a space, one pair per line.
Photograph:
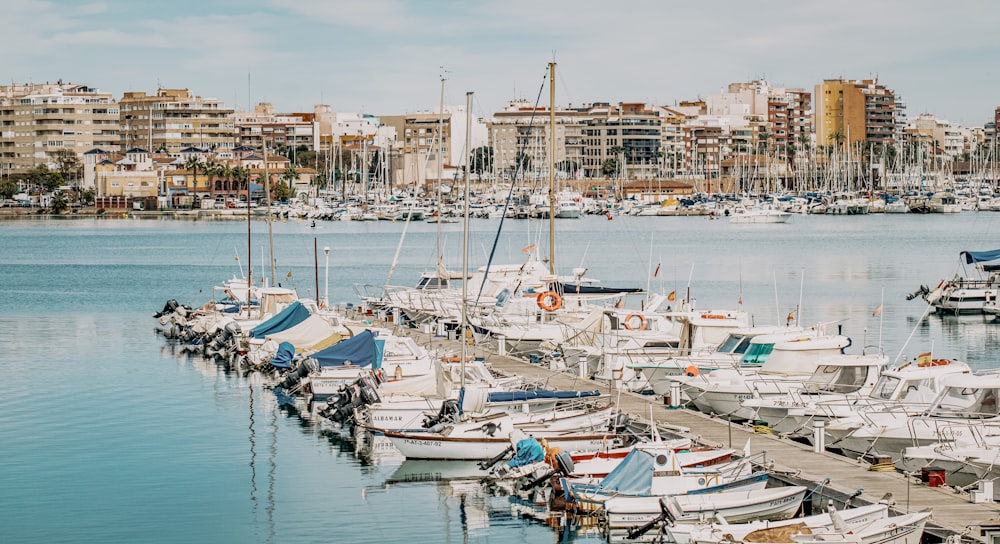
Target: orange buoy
691, 371
628, 322
549, 301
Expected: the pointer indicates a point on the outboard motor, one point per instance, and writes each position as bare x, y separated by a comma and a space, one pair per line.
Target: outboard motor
564, 466
168, 308
447, 414
619, 424
340, 407
922, 291
295, 375
223, 338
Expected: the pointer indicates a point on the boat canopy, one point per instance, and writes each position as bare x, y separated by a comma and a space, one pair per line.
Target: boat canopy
283, 358
360, 350
980, 256
633, 476
532, 394
294, 314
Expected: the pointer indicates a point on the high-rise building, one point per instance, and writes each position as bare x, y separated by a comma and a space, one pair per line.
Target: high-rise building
851, 111
38, 120
174, 119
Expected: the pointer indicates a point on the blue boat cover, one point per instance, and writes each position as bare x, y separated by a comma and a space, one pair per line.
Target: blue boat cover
633, 476
981, 256
361, 350
532, 394
283, 358
291, 316
528, 451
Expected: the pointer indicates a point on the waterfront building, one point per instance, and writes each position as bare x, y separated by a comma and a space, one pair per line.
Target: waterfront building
133, 175
521, 130
420, 139
852, 111
174, 119
285, 133
938, 136
40, 120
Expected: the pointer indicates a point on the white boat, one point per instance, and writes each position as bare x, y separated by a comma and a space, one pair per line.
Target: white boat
737, 506
966, 293
486, 437
964, 411
759, 214
902, 529
777, 531
784, 365
658, 473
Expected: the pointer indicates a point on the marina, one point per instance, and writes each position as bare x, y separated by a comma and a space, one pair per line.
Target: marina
827, 248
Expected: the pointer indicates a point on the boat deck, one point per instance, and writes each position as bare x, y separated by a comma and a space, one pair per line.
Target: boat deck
793, 462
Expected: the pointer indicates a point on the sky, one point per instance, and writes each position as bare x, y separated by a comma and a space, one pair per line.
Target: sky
387, 57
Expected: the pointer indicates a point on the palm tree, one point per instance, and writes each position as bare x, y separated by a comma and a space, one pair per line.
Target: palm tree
192, 163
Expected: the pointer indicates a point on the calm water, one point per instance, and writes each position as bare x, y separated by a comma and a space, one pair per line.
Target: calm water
108, 435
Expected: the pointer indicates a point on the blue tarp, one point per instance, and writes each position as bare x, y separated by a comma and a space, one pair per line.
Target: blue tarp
633, 476
283, 358
981, 256
532, 394
291, 316
361, 350
528, 451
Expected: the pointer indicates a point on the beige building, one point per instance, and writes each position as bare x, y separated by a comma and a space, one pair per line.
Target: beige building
419, 153
39, 119
133, 175
174, 119
521, 129
287, 132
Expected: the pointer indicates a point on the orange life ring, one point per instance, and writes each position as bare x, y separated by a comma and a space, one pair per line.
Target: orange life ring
549, 301
691, 371
628, 322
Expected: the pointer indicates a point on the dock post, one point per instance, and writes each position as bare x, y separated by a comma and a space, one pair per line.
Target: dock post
819, 436
582, 368
501, 345
675, 395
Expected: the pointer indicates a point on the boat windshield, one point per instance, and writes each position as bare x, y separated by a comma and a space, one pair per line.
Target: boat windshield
967, 402
885, 386
837, 379
756, 354
733, 343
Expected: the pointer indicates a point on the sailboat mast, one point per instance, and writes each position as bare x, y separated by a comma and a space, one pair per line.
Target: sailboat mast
552, 174
440, 158
465, 234
267, 197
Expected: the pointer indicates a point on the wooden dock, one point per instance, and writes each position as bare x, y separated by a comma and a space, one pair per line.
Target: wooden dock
793, 462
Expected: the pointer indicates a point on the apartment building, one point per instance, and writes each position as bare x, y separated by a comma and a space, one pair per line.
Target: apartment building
37, 120
628, 133
851, 111
173, 119
937, 136
521, 129
283, 132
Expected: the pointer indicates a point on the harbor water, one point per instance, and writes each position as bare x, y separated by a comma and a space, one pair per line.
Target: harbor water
108, 434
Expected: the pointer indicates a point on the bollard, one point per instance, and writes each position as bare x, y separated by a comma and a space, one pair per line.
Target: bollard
583, 367
675, 395
819, 436
440, 328
501, 345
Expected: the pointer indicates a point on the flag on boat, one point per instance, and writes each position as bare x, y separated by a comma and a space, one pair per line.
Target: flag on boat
740, 301
924, 358
657, 271
672, 296
790, 318
528, 248
878, 311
